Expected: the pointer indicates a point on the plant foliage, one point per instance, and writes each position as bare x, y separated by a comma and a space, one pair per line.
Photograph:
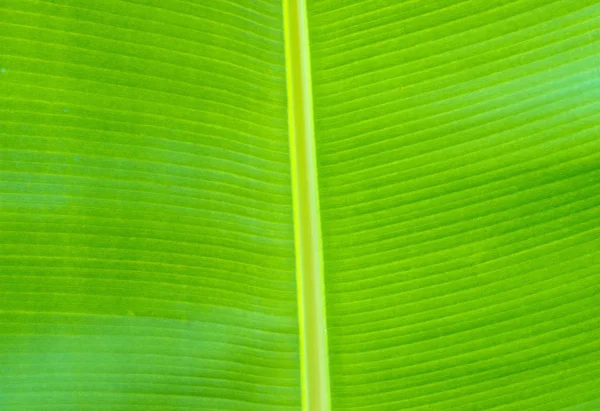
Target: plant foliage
147, 254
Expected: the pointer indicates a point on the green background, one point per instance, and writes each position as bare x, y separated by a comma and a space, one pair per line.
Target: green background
146, 212
146, 253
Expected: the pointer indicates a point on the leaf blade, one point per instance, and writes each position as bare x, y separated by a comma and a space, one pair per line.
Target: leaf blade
457, 157
147, 241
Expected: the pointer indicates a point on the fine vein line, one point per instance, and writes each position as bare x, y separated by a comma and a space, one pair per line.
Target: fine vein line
314, 362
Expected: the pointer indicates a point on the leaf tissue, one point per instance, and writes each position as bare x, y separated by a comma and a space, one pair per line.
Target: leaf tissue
300, 204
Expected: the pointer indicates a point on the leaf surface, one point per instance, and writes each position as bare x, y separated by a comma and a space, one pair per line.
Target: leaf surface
151, 197
147, 252
458, 160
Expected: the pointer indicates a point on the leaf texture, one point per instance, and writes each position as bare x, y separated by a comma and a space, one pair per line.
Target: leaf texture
457, 146
147, 252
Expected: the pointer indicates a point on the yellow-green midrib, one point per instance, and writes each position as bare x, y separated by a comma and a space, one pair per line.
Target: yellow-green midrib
314, 358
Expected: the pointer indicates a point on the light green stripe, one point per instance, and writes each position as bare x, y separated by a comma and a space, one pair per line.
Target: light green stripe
309, 262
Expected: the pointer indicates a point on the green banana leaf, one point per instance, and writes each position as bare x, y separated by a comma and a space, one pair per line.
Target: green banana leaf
289, 204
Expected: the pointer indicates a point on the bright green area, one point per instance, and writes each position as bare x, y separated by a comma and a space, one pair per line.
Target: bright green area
150, 204
147, 246
309, 261
459, 161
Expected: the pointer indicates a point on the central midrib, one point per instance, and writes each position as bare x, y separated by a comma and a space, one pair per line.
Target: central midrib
309, 263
